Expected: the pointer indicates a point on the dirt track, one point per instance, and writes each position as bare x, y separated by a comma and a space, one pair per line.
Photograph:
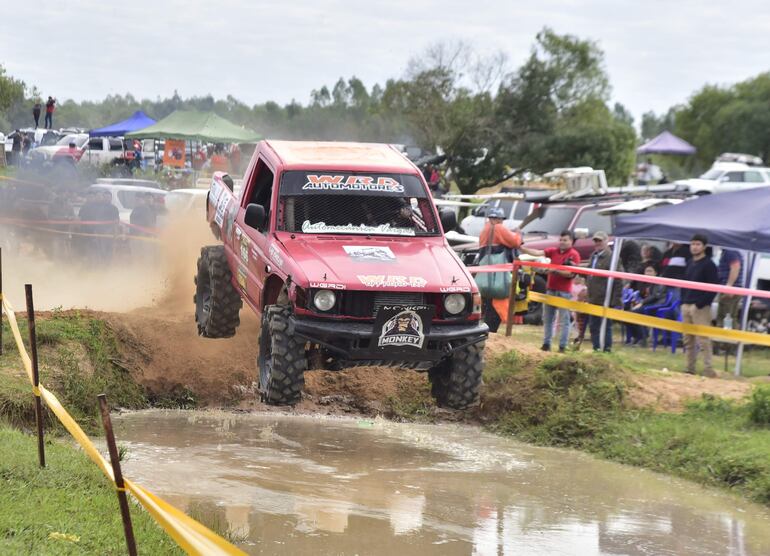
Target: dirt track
162, 349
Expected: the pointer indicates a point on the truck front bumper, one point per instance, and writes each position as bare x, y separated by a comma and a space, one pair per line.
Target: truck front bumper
356, 341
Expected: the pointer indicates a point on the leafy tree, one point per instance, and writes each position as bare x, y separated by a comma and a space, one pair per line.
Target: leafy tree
11, 97
554, 111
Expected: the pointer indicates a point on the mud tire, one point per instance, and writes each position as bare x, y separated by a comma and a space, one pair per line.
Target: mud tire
456, 380
282, 359
217, 301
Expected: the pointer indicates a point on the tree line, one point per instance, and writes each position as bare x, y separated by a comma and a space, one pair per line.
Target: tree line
488, 119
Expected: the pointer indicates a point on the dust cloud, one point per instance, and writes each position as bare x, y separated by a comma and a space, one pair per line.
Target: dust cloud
141, 274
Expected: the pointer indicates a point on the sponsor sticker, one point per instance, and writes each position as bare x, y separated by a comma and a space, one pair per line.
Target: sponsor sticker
242, 278
369, 253
245, 245
382, 229
327, 286
399, 327
219, 216
455, 289
276, 256
352, 183
390, 281
216, 191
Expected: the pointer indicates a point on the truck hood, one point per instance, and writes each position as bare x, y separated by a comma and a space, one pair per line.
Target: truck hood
414, 264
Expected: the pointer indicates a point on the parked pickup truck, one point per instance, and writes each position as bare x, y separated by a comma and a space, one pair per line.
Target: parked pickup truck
340, 249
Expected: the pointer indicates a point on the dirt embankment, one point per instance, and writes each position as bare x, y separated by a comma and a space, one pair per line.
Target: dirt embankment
161, 348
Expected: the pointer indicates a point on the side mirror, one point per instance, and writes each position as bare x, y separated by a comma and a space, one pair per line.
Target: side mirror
255, 216
448, 220
581, 233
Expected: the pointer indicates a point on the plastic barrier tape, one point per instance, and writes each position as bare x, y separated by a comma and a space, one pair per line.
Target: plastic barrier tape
654, 322
716, 288
192, 536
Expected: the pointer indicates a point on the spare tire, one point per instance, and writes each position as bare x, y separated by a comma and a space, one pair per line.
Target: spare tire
217, 301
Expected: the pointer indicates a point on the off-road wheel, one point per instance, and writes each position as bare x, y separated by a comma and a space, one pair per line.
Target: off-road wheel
282, 359
455, 381
217, 301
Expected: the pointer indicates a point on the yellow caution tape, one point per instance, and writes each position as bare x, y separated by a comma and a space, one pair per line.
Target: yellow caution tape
192, 536
25, 360
77, 433
654, 322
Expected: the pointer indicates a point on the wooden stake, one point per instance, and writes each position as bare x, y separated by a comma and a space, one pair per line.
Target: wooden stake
512, 298
35, 373
128, 528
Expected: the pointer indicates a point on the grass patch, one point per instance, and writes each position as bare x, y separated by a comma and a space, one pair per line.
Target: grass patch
78, 360
578, 401
713, 442
756, 359
66, 508
411, 404
562, 402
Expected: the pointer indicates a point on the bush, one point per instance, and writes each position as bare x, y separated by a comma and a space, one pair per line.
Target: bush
759, 406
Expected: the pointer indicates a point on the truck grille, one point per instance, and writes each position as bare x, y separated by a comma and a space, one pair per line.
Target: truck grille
366, 304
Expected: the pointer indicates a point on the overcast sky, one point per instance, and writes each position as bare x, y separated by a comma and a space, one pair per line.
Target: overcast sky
657, 53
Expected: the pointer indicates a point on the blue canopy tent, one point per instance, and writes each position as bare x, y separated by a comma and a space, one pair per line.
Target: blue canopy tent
737, 220
138, 120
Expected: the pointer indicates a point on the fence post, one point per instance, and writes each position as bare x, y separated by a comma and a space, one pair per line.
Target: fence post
35, 373
128, 529
512, 299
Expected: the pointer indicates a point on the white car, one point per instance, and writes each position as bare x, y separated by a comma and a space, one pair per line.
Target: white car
49, 151
515, 212
183, 201
728, 176
126, 197
96, 150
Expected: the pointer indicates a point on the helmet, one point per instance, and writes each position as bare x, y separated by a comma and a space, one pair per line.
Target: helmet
496, 212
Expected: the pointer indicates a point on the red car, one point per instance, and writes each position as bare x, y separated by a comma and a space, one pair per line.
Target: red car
341, 250
583, 219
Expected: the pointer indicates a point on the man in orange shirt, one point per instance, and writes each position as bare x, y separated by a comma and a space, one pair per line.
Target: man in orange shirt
495, 238
500, 236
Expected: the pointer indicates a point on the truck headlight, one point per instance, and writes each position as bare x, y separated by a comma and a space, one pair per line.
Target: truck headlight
324, 300
454, 303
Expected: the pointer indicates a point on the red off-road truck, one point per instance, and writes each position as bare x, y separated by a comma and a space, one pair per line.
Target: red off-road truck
340, 248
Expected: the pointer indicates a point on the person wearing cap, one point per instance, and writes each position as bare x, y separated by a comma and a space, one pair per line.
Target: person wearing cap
597, 288
696, 304
495, 238
559, 284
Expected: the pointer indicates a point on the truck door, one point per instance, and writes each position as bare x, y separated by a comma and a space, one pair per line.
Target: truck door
114, 150
93, 151
251, 245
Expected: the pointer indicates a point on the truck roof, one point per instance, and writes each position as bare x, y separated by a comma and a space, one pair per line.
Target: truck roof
337, 155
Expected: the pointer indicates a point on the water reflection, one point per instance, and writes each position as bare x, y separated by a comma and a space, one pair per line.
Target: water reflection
297, 485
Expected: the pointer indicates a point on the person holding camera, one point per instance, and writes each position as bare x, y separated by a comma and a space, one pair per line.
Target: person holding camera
559, 284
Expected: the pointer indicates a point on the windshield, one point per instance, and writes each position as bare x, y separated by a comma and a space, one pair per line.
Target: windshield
79, 140
346, 203
553, 221
712, 174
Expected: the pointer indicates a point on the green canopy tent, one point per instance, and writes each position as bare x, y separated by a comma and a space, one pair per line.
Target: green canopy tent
196, 126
